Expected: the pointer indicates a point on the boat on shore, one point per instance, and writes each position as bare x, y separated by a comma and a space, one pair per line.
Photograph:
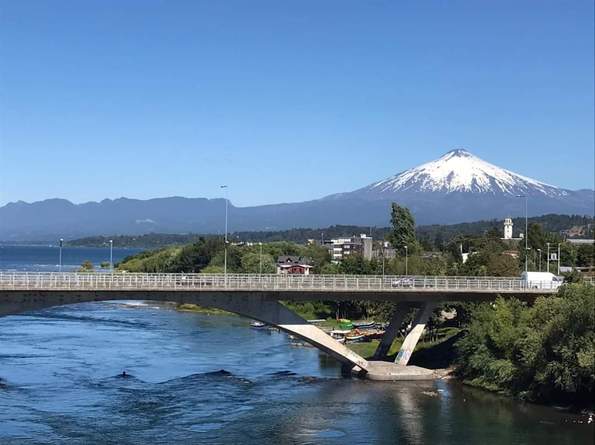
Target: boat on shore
357, 338
344, 323
339, 334
365, 324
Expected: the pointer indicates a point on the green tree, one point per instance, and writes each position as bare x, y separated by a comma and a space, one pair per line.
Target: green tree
251, 263
403, 228
536, 236
585, 255
543, 353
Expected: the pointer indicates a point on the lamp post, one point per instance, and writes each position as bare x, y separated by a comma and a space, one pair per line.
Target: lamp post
406, 259
539, 250
260, 260
60, 255
548, 257
225, 246
383, 263
111, 255
526, 232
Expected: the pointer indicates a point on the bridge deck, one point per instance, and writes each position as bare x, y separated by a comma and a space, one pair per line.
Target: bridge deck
69, 281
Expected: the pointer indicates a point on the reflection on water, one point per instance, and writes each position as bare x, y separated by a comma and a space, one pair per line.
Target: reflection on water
211, 379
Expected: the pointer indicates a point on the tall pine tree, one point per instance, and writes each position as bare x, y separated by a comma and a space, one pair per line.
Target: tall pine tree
403, 227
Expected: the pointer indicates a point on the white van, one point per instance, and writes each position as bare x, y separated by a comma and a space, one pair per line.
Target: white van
541, 280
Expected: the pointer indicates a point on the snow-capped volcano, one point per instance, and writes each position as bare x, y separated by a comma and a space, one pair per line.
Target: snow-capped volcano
458, 187
460, 171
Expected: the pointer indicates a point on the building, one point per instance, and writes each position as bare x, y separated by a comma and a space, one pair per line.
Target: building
342, 247
384, 250
508, 228
508, 236
288, 264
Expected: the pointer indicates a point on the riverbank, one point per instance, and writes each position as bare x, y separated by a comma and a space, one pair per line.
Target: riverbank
187, 307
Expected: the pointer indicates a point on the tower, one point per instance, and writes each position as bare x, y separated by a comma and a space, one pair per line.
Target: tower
508, 228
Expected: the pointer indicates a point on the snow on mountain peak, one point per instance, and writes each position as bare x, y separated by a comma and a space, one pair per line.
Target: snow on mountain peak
461, 171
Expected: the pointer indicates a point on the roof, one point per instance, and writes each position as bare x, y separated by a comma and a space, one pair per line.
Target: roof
293, 260
580, 241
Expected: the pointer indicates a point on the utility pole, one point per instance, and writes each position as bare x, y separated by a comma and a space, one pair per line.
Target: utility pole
111, 255
60, 255
548, 257
383, 263
526, 232
558, 258
260, 265
406, 259
225, 240
539, 250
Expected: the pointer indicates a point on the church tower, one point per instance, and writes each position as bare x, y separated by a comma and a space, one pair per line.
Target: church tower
508, 228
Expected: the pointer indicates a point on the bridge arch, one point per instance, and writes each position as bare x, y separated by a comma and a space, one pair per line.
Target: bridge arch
254, 306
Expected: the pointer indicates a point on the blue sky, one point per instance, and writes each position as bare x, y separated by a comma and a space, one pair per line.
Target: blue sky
286, 100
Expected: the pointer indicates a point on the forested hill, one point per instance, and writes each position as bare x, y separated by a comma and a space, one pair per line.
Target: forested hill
431, 236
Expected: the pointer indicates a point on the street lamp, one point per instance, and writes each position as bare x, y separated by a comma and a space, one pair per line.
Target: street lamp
260, 260
548, 257
225, 247
383, 263
60, 255
406, 259
111, 255
539, 250
526, 232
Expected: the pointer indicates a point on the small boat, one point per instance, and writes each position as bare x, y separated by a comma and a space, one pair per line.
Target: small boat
364, 324
374, 334
344, 323
339, 332
257, 324
355, 338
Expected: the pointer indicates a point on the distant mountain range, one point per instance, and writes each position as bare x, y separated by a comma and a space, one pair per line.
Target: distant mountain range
458, 187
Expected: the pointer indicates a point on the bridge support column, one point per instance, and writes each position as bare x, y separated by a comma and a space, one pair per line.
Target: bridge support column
275, 314
391, 331
419, 323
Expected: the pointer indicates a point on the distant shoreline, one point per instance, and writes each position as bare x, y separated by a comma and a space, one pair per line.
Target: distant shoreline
446, 232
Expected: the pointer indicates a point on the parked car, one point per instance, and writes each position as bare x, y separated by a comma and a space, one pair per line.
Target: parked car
402, 282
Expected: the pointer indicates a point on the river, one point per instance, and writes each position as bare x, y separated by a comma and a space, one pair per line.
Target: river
211, 379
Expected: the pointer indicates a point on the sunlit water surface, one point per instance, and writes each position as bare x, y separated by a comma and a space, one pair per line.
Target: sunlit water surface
201, 379
197, 378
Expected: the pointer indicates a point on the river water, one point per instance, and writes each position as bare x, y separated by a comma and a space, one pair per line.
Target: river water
211, 379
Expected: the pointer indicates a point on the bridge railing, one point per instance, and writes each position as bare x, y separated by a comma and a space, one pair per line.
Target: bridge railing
265, 282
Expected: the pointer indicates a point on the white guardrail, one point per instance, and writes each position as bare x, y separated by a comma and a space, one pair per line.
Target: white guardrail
191, 281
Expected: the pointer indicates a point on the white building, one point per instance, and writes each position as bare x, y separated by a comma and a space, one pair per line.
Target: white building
508, 228
341, 247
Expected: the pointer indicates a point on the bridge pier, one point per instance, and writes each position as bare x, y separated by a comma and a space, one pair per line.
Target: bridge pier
274, 313
391, 331
419, 323
258, 305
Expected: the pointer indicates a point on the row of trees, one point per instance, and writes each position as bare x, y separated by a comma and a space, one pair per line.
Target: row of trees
544, 352
490, 256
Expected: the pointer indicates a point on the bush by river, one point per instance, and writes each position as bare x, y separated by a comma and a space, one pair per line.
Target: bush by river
544, 352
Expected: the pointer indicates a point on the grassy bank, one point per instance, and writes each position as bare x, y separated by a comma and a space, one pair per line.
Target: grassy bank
436, 354
202, 310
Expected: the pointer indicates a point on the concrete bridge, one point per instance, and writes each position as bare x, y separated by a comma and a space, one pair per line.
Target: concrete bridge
257, 297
